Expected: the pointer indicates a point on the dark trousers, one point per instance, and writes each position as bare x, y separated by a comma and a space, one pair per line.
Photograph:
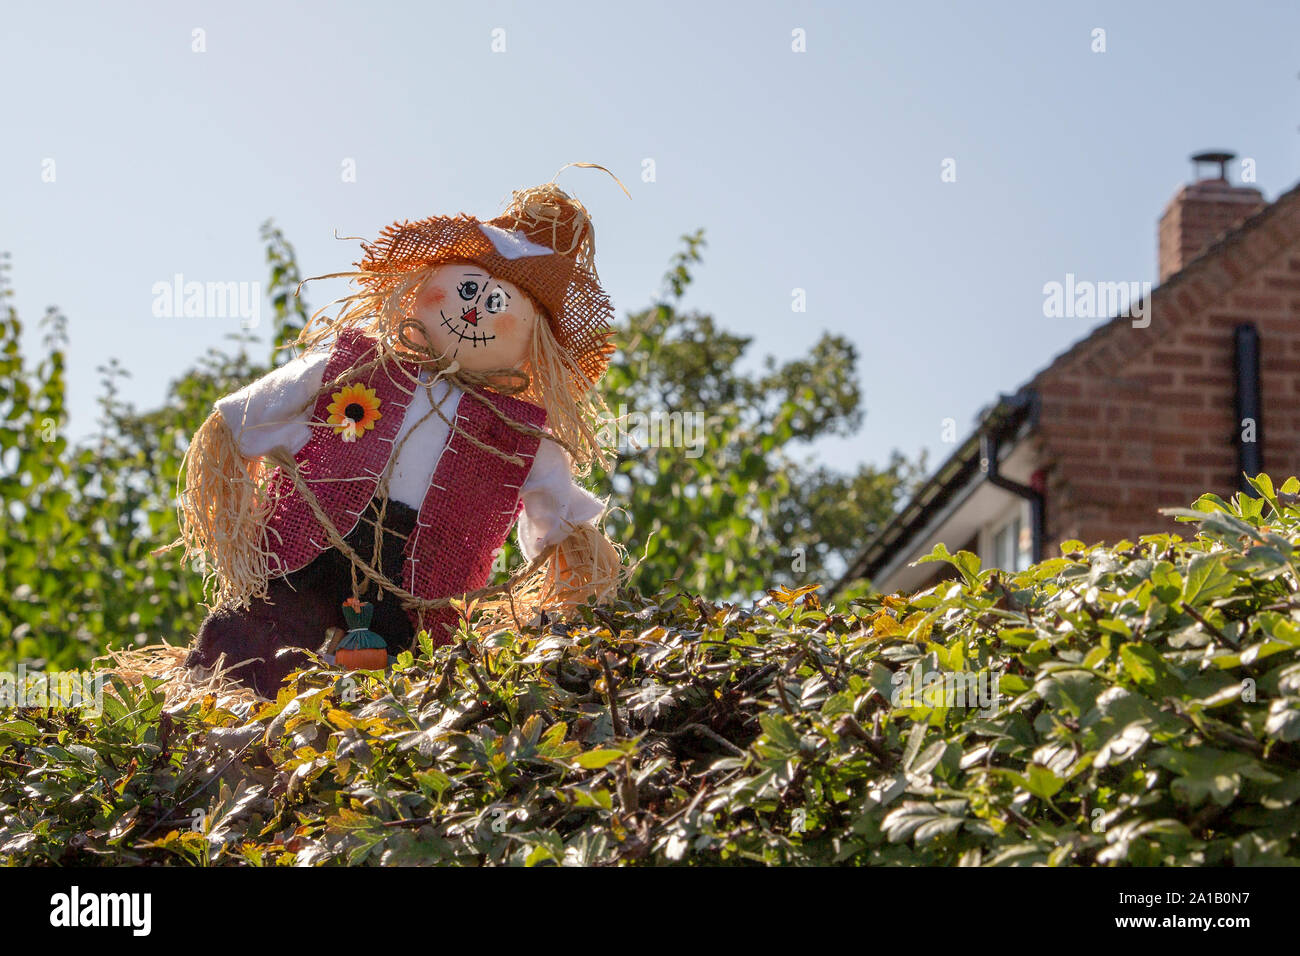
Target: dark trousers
301, 607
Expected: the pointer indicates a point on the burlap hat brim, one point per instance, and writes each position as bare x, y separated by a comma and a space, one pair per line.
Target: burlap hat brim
578, 310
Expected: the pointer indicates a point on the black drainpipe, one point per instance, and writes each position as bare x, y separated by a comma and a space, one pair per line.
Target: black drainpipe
1037, 503
1250, 454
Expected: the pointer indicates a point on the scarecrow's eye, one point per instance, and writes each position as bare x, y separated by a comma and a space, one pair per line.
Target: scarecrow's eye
496, 302
468, 289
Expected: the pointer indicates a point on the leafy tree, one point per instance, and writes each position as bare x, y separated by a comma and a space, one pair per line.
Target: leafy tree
291, 311
80, 523
739, 513
41, 550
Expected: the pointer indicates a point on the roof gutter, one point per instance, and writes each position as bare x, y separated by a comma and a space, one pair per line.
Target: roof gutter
989, 443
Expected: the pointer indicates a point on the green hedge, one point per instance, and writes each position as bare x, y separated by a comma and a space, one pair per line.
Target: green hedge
1146, 711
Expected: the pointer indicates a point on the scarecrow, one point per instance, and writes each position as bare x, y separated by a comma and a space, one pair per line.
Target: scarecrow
374, 479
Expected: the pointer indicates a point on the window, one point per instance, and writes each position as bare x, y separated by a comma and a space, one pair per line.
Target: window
1009, 542
1005, 540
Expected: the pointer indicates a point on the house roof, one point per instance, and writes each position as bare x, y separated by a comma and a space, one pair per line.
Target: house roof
1010, 411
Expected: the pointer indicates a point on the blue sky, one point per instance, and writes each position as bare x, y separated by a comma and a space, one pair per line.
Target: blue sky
818, 170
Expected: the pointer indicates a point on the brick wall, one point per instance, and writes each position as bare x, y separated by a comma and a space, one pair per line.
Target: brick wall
1199, 213
1133, 420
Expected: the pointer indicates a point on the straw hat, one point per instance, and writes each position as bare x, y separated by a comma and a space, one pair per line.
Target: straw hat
544, 243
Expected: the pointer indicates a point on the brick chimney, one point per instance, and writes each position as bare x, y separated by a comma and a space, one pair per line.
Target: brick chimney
1202, 211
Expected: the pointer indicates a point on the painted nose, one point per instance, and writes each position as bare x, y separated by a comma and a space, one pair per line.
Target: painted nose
470, 316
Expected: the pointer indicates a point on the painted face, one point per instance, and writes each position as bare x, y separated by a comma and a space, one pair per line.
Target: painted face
478, 320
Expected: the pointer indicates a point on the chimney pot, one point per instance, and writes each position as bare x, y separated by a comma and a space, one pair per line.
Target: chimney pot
1220, 156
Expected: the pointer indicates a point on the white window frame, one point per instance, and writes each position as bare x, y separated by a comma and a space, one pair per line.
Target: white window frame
1020, 510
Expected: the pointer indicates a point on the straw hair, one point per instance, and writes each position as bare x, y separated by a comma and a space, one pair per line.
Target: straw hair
586, 565
224, 504
181, 686
573, 405
549, 214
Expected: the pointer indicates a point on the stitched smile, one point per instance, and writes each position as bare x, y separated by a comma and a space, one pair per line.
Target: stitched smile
465, 332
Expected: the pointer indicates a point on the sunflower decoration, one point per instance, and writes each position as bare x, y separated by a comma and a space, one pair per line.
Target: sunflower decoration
354, 411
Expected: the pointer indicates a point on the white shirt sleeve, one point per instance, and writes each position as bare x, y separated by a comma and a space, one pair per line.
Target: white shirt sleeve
272, 413
553, 504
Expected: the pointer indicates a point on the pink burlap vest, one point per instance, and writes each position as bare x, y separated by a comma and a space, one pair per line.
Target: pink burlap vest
468, 510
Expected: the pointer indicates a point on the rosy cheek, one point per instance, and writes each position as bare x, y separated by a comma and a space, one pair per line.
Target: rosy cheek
506, 325
433, 296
